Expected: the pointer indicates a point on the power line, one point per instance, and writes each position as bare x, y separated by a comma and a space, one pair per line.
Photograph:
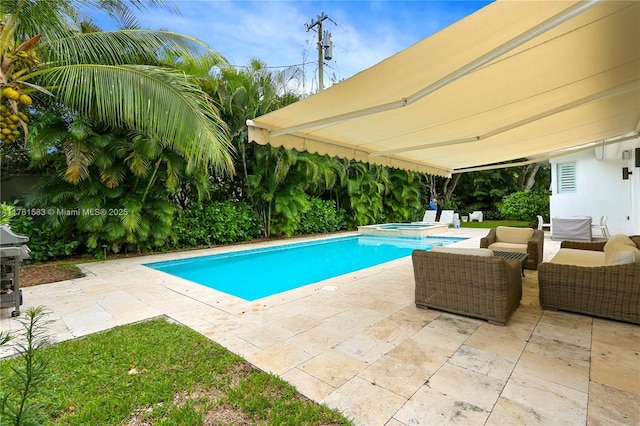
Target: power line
274, 66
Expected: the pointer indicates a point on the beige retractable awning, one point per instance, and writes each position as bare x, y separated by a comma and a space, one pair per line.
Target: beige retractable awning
516, 79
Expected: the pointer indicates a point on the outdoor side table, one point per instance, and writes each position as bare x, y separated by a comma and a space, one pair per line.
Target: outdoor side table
521, 257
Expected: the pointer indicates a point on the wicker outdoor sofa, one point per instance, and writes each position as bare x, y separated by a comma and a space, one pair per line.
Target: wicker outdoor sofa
478, 285
594, 278
521, 240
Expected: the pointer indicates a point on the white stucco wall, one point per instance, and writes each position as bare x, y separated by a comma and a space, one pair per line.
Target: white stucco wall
601, 191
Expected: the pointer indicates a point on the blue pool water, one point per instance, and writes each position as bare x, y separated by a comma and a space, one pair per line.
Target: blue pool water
253, 274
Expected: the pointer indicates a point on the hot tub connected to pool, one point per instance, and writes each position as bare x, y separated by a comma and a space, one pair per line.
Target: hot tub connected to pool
415, 230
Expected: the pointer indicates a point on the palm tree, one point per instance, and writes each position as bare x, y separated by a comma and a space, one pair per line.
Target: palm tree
50, 56
249, 93
402, 199
362, 193
119, 190
276, 188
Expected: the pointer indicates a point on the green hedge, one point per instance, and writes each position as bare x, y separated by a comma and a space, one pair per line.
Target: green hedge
196, 226
322, 216
215, 223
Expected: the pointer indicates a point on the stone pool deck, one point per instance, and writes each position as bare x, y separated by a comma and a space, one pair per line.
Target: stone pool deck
357, 343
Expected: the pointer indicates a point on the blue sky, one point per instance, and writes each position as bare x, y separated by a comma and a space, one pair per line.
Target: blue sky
363, 32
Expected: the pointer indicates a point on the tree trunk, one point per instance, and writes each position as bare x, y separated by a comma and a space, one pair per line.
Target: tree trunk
448, 188
531, 179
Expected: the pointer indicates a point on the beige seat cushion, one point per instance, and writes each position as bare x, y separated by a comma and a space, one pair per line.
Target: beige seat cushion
483, 252
577, 257
508, 234
503, 246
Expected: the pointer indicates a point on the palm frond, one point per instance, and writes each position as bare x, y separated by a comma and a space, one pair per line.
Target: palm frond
27, 18
157, 102
174, 165
123, 15
78, 159
114, 230
44, 140
145, 145
121, 47
115, 7
80, 130
138, 163
131, 221
113, 176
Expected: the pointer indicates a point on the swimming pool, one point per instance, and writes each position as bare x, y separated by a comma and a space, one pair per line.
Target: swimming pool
257, 273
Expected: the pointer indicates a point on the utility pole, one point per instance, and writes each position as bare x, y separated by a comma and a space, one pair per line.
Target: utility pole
324, 44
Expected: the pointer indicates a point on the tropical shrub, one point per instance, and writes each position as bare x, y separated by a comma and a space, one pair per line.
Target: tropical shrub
322, 216
7, 211
110, 186
215, 223
45, 242
402, 197
362, 193
493, 214
525, 205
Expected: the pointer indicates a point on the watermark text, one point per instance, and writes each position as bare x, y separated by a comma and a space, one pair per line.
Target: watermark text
57, 211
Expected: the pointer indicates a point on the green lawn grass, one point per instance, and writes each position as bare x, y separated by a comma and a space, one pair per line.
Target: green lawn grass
163, 373
494, 223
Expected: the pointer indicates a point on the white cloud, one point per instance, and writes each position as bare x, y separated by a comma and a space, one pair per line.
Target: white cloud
363, 32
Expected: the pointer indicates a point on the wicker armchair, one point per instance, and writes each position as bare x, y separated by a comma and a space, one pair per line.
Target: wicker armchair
611, 291
483, 287
534, 247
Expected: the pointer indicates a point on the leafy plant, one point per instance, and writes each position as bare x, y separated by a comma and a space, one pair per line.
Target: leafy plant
27, 378
402, 196
322, 216
277, 188
215, 223
525, 205
45, 242
7, 211
362, 193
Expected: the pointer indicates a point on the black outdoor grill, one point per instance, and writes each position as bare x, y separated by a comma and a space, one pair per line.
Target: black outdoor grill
12, 253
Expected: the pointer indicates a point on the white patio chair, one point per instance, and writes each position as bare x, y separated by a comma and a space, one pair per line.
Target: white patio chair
429, 216
446, 216
602, 230
476, 215
541, 224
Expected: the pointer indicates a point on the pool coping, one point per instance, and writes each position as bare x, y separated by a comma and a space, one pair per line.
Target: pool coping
415, 230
